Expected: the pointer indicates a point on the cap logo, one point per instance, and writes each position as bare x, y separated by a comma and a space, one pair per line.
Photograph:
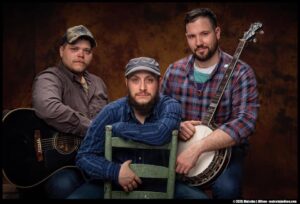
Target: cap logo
142, 64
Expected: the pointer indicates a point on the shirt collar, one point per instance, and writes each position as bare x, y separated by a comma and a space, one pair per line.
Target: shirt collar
73, 76
191, 60
127, 110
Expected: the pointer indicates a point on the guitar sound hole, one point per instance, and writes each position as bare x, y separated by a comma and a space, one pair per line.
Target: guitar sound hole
66, 144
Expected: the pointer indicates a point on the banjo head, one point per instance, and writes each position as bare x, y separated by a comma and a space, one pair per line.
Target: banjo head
206, 158
208, 165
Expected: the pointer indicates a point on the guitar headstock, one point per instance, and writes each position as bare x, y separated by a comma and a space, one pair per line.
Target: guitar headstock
250, 34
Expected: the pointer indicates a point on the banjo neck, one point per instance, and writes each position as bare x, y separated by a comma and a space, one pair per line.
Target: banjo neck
248, 36
208, 117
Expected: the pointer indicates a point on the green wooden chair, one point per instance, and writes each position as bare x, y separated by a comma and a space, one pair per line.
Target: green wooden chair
143, 170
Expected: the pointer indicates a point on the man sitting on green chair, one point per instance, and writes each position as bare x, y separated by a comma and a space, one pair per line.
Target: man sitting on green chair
143, 116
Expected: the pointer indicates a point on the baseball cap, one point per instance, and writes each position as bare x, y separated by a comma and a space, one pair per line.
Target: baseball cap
142, 64
76, 32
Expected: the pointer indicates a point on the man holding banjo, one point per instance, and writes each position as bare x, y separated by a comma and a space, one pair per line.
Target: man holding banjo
219, 107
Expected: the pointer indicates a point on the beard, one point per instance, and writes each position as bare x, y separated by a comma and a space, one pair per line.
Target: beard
210, 53
144, 108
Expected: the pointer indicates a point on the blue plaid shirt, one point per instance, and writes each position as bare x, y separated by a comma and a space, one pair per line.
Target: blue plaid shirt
238, 108
156, 130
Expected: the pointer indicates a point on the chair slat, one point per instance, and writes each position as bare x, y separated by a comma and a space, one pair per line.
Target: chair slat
150, 171
120, 142
138, 195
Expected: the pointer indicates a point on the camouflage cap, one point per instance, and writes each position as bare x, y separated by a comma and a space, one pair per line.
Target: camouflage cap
76, 32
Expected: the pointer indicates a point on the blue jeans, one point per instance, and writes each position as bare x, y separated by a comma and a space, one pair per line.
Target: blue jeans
95, 190
229, 184
89, 190
61, 184
184, 191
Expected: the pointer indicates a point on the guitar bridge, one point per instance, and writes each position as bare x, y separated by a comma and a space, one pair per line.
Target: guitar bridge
38, 145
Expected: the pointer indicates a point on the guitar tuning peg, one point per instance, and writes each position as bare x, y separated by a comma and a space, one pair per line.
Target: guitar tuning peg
254, 40
261, 32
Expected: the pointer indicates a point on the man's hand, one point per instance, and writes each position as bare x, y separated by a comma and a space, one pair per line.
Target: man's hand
127, 178
187, 129
187, 159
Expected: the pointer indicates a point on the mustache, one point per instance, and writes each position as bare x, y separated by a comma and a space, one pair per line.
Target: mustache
201, 47
79, 61
143, 94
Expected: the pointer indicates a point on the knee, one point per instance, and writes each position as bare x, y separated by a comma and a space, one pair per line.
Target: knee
183, 191
62, 184
67, 179
229, 189
67, 182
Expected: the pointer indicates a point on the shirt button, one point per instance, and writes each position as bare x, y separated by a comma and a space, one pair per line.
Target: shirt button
140, 158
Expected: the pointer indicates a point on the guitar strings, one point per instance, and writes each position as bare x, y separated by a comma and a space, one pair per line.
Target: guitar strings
48, 143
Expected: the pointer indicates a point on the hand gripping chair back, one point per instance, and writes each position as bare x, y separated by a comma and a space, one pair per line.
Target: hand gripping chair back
143, 170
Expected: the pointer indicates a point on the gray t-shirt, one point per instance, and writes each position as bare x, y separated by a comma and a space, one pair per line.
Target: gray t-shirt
61, 101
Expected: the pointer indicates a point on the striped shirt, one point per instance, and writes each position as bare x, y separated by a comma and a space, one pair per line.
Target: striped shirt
238, 108
156, 130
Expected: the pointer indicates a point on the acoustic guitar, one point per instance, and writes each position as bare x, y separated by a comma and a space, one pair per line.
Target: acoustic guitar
32, 151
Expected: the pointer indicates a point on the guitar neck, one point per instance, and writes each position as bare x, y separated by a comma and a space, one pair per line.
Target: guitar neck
228, 73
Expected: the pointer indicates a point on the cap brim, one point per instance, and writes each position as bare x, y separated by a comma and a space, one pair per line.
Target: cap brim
92, 40
142, 68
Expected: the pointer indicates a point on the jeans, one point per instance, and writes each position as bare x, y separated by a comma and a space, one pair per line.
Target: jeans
229, 184
95, 190
184, 191
62, 183
89, 190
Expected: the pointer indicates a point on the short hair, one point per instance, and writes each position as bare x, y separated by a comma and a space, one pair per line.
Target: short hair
194, 14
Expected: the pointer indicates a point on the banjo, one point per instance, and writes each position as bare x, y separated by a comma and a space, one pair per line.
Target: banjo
210, 164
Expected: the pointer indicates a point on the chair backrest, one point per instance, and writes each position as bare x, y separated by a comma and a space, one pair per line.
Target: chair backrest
143, 170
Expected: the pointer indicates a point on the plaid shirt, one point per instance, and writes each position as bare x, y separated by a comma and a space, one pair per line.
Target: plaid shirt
238, 107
